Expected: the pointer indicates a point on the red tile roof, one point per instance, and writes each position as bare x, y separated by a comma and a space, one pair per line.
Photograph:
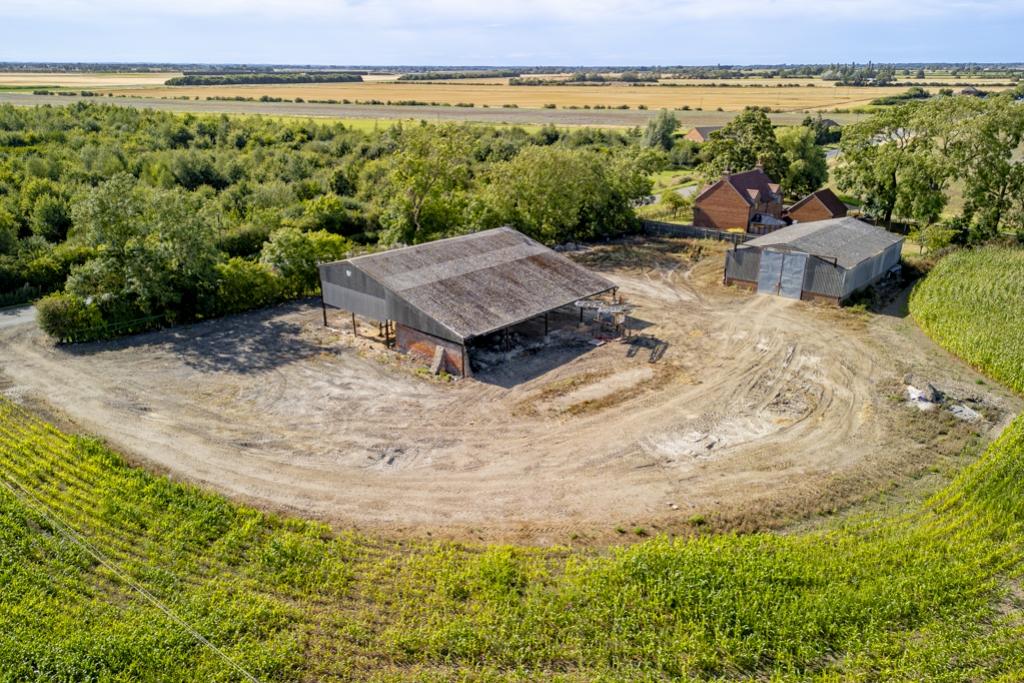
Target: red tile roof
751, 185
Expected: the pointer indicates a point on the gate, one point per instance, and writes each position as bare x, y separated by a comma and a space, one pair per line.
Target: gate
781, 273
791, 285
770, 272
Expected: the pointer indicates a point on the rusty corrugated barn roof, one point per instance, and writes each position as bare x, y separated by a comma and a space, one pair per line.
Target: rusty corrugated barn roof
482, 282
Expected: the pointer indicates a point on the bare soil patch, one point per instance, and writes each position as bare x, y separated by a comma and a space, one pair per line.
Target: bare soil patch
743, 411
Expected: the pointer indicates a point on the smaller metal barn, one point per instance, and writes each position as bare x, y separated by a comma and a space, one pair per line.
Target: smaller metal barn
444, 296
830, 259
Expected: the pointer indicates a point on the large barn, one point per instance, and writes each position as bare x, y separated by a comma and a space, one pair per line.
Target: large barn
830, 259
444, 295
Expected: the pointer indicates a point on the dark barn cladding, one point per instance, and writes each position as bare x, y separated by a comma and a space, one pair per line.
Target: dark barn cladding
444, 294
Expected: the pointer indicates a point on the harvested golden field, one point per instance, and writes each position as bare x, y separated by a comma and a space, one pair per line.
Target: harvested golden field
496, 94
84, 79
753, 81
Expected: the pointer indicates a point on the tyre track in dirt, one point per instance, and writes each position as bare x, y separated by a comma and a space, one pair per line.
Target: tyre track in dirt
761, 411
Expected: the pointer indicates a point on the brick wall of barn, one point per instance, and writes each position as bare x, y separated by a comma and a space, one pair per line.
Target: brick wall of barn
424, 345
814, 210
722, 209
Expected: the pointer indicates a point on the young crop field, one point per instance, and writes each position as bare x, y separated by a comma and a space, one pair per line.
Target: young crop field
972, 303
113, 573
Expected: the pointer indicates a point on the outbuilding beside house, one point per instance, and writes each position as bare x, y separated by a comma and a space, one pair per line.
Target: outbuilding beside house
817, 206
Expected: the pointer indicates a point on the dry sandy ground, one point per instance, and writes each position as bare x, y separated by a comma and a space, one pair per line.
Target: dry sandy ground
759, 412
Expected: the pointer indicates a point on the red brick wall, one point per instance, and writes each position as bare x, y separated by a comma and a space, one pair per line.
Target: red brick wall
721, 209
422, 345
813, 210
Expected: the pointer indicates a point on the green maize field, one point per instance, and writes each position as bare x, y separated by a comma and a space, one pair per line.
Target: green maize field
972, 303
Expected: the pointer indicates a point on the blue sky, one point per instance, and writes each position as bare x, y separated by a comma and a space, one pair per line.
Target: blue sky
524, 32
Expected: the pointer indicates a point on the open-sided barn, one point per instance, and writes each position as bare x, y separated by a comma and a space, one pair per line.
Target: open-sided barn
448, 293
830, 259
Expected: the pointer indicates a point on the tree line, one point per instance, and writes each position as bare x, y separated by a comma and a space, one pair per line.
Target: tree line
135, 219
458, 75
907, 163
260, 78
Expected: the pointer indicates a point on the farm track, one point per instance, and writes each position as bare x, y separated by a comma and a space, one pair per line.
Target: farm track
761, 411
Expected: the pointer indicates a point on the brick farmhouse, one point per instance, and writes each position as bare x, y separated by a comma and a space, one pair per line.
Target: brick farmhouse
747, 201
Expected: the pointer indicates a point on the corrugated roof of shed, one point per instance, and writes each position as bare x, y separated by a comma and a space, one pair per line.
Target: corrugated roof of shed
848, 240
478, 283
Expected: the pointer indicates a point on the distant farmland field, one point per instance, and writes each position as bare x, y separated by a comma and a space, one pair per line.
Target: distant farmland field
496, 94
788, 95
83, 79
367, 115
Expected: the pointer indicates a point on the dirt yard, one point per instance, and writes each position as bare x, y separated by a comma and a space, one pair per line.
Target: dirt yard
755, 412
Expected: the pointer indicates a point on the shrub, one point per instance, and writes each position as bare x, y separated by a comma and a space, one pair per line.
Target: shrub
8, 233
66, 317
49, 271
294, 255
243, 285
245, 240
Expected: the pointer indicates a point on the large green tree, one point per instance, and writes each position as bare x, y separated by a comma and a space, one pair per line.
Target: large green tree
660, 132
423, 185
154, 249
806, 170
746, 141
891, 163
556, 194
988, 161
